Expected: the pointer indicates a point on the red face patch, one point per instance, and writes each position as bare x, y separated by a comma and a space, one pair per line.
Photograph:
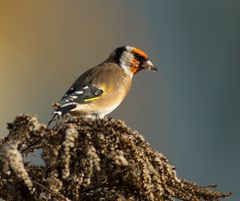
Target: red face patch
135, 66
140, 52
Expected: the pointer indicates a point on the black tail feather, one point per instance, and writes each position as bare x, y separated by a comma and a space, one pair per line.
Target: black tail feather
61, 111
52, 119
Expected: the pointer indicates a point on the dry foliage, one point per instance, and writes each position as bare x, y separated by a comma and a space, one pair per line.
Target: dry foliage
89, 160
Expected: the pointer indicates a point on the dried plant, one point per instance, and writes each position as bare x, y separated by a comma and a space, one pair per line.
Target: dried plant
89, 160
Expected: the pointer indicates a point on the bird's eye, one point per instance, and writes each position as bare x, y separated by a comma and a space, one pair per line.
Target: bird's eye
139, 57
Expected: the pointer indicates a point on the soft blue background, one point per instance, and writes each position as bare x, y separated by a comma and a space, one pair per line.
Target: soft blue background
188, 110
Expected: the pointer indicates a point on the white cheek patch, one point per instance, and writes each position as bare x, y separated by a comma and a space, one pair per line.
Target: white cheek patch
125, 62
128, 48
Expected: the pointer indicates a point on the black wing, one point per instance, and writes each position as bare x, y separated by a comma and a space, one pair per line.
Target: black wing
77, 96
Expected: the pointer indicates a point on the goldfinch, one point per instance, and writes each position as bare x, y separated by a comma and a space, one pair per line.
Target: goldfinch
101, 89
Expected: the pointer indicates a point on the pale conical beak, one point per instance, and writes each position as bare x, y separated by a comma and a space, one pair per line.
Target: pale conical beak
148, 65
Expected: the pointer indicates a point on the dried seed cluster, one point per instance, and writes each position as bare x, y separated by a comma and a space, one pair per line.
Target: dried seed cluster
89, 160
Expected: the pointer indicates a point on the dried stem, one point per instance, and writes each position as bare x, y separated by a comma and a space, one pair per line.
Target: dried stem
89, 160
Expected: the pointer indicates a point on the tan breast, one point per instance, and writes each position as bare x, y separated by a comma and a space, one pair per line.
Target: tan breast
113, 81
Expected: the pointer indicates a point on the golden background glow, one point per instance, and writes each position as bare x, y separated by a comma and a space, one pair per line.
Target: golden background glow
45, 45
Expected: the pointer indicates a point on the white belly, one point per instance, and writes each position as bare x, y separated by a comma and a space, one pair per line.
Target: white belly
103, 112
87, 111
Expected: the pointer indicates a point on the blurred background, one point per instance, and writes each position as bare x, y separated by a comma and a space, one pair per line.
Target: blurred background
188, 110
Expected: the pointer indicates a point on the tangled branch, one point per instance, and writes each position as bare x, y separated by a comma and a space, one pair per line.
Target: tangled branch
89, 160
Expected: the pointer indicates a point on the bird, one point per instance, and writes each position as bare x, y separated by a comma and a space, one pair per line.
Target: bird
101, 89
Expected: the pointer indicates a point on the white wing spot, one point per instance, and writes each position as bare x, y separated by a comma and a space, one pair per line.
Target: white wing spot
79, 92
74, 97
85, 87
64, 105
58, 113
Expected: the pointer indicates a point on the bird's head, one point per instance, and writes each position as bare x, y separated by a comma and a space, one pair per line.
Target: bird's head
132, 59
